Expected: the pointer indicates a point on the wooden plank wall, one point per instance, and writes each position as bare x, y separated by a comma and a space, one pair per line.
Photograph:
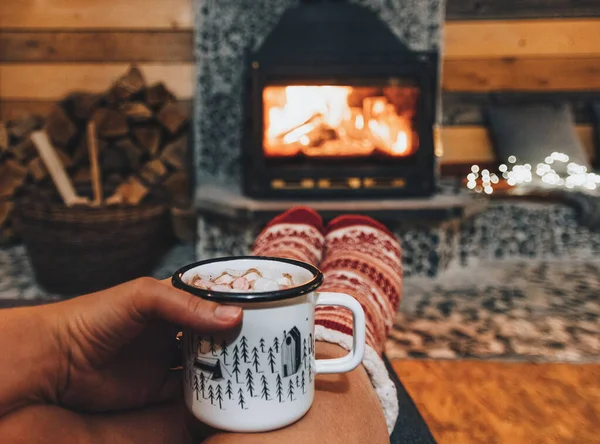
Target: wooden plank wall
496, 51
511, 52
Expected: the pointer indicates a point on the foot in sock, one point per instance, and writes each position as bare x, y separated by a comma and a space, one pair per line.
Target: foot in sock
362, 259
295, 234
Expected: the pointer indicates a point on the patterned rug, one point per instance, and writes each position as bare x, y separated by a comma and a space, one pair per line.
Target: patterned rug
512, 310
501, 310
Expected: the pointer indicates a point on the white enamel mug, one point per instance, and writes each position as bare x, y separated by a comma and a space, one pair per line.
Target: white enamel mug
261, 376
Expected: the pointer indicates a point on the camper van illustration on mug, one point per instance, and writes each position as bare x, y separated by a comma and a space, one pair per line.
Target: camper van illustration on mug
291, 352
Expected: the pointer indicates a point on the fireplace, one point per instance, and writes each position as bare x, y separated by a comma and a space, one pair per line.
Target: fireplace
336, 106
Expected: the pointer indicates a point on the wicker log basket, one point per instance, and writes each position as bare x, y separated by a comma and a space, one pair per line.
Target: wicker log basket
79, 250
93, 183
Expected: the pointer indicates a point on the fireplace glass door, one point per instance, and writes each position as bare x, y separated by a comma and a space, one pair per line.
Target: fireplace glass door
334, 122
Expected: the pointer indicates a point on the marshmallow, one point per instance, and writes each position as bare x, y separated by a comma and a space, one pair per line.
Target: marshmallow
224, 279
263, 284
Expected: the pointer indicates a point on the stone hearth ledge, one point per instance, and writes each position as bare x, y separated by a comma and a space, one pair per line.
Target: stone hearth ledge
230, 203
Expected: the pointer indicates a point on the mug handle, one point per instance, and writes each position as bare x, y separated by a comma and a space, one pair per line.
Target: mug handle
355, 357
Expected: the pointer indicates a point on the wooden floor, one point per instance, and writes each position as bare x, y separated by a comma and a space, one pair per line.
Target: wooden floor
487, 402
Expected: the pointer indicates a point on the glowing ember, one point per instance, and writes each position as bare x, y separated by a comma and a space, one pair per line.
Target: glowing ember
338, 121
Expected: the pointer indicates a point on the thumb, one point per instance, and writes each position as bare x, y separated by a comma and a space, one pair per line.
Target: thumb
148, 299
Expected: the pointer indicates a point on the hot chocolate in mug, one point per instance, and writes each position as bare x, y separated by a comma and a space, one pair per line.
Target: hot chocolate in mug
260, 376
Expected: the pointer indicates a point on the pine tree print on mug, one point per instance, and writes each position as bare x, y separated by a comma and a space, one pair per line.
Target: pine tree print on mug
244, 348
228, 390
196, 386
212, 347
211, 394
255, 362
219, 396
202, 385
304, 355
291, 391
271, 359
250, 382
265, 394
224, 353
241, 401
236, 364
279, 388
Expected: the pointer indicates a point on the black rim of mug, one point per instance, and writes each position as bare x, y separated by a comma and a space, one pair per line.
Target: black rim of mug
265, 296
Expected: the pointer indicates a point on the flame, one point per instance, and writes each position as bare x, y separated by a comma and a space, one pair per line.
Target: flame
378, 107
359, 123
318, 120
401, 144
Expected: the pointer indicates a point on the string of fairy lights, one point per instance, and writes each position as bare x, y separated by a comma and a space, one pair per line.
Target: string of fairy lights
544, 175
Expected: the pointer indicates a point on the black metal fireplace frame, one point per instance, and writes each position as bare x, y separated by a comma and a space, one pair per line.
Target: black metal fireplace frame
297, 53
415, 173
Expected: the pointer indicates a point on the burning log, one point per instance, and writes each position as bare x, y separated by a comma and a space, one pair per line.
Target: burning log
291, 142
340, 148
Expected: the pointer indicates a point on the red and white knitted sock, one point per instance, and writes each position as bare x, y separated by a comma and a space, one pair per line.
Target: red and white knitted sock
363, 260
295, 234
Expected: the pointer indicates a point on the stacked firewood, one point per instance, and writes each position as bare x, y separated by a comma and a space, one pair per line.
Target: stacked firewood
141, 140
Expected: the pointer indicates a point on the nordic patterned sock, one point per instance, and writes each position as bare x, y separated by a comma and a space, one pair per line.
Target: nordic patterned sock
295, 234
363, 259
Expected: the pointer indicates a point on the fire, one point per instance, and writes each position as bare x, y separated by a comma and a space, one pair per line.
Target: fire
327, 121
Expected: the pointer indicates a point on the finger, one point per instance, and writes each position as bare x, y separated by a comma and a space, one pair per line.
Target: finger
151, 299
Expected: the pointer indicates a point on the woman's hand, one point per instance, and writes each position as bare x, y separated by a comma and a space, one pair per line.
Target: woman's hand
106, 351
